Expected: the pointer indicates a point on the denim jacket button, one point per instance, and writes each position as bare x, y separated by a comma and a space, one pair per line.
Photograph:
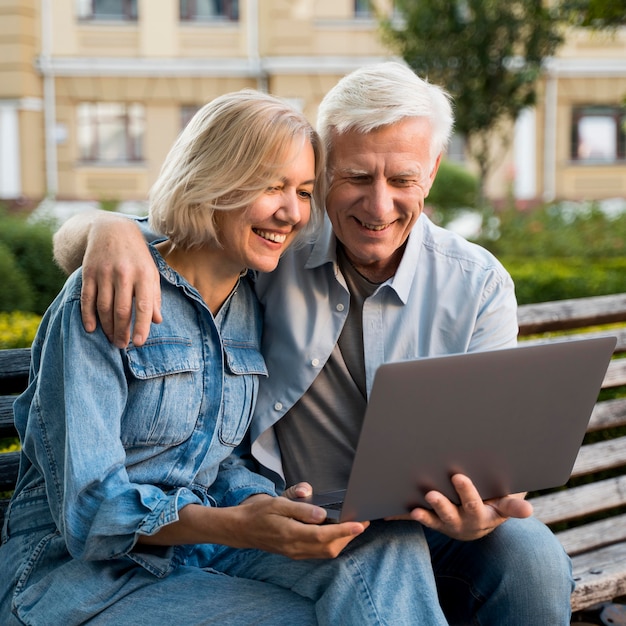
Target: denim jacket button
278, 406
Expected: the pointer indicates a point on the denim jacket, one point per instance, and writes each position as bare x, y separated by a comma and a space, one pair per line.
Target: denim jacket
116, 442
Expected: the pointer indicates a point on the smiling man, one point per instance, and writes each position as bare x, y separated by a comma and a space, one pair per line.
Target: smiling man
380, 283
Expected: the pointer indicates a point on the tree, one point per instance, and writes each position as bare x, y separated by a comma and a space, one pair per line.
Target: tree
599, 14
487, 53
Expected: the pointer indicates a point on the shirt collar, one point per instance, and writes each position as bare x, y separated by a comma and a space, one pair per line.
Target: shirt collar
324, 251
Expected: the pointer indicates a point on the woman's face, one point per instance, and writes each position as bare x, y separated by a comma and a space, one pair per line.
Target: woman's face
256, 237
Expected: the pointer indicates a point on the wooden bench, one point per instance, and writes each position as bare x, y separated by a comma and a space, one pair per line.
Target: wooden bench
597, 546
594, 502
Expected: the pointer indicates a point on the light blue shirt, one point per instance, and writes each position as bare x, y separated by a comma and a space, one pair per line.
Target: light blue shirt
447, 296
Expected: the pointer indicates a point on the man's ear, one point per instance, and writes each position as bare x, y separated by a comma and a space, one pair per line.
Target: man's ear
433, 173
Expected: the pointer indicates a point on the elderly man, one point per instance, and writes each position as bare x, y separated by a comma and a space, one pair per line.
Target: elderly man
379, 283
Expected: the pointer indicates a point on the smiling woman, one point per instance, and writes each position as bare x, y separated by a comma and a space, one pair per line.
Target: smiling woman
128, 456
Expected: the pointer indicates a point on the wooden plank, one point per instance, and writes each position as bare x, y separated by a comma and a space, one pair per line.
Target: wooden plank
607, 414
620, 333
9, 465
572, 313
575, 502
616, 374
593, 535
14, 366
600, 576
7, 429
603, 455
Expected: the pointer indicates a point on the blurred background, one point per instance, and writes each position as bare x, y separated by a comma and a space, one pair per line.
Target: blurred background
94, 92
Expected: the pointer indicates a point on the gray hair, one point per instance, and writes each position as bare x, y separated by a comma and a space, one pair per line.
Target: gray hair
382, 94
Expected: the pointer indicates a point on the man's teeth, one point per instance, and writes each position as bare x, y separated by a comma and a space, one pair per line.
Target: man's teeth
271, 236
374, 226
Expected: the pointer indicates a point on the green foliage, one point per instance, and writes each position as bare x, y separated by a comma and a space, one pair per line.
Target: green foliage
454, 188
543, 280
487, 53
594, 13
16, 291
30, 244
557, 252
556, 231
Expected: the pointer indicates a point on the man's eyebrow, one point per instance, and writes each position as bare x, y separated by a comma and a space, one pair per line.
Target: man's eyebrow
350, 171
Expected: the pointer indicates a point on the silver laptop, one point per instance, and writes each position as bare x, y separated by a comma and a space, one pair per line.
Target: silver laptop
512, 420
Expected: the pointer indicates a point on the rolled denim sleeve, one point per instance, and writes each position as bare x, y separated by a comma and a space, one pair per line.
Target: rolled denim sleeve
237, 480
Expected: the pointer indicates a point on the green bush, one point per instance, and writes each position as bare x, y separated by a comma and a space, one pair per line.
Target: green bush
454, 188
561, 231
542, 280
16, 292
30, 244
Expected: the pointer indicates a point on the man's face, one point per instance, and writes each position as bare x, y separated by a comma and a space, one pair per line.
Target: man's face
378, 184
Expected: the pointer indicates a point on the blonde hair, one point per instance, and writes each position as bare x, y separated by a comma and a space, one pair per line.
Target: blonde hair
225, 158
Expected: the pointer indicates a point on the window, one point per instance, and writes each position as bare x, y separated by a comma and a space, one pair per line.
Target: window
187, 111
110, 132
598, 134
107, 9
209, 10
362, 8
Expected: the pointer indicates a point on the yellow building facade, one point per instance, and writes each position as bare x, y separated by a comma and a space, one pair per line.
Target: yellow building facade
94, 92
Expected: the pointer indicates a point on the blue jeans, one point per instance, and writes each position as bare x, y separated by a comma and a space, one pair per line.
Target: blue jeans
518, 575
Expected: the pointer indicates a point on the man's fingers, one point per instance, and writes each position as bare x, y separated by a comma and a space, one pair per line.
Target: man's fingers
88, 297
511, 506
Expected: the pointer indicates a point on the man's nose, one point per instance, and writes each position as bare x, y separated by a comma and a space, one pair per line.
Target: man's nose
380, 198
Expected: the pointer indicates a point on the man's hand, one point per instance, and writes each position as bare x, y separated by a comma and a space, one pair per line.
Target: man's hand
118, 272
473, 518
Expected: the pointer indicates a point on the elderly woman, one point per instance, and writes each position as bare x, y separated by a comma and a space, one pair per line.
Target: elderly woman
132, 505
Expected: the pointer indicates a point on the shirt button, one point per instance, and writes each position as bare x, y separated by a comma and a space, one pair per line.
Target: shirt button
315, 362
340, 307
278, 406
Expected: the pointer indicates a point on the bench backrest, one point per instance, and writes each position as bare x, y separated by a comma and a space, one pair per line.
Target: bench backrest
589, 514
14, 365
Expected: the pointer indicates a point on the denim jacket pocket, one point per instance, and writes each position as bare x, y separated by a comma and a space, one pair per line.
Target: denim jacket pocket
243, 366
164, 392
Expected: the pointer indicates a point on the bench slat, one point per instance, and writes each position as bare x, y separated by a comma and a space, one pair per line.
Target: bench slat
607, 414
599, 576
620, 333
14, 367
616, 374
593, 535
572, 313
603, 455
9, 465
574, 502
